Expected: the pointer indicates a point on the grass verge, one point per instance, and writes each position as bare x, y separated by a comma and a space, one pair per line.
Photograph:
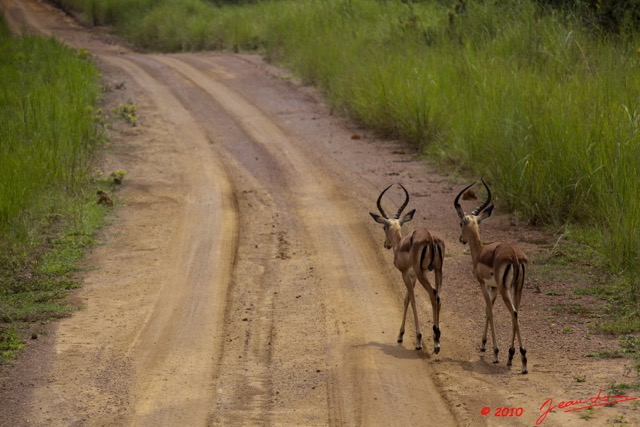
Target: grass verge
48, 212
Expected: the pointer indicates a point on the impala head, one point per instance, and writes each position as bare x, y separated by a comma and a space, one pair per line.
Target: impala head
469, 222
392, 226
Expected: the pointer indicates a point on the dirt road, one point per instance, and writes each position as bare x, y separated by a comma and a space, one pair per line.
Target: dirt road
242, 281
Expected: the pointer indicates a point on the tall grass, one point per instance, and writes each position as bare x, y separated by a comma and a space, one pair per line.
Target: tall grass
48, 133
527, 98
47, 127
531, 99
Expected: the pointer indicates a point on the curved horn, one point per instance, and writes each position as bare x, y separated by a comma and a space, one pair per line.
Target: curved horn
480, 208
456, 202
404, 205
380, 205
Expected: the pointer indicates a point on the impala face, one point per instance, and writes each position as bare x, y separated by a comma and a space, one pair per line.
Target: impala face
465, 224
470, 224
392, 228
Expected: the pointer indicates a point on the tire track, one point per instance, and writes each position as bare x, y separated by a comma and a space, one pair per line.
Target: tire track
178, 347
21, 20
347, 265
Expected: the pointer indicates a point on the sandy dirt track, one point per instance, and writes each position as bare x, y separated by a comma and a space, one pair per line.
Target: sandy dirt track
242, 281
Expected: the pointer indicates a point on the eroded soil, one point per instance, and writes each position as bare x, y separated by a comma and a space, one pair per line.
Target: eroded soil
242, 280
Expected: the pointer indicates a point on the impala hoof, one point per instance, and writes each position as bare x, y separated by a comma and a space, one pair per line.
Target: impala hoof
523, 352
512, 351
436, 333
436, 349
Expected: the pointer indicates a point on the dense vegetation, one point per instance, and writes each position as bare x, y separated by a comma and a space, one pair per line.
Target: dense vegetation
47, 134
539, 96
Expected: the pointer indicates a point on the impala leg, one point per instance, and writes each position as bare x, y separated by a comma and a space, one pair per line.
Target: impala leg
410, 281
516, 332
523, 351
487, 300
512, 350
483, 345
434, 296
404, 317
506, 296
518, 296
425, 260
511, 299
415, 317
490, 293
494, 294
435, 303
436, 310
439, 261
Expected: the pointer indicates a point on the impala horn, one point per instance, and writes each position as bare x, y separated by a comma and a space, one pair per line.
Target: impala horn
456, 202
378, 202
479, 209
406, 202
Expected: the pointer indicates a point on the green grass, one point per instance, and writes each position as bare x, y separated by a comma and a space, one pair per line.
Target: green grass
10, 343
542, 106
47, 128
48, 210
629, 349
35, 283
623, 389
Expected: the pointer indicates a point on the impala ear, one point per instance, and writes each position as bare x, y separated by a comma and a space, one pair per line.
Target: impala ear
486, 213
408, 216
377, 218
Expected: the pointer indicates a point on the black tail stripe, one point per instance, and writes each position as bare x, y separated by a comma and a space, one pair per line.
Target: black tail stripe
504, 276
422, 255
432, 246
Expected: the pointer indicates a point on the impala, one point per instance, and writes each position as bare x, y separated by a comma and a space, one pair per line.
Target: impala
414, 255
499, 267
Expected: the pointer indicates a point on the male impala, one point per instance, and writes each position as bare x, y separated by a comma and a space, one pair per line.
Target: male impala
499, 267
414, 255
